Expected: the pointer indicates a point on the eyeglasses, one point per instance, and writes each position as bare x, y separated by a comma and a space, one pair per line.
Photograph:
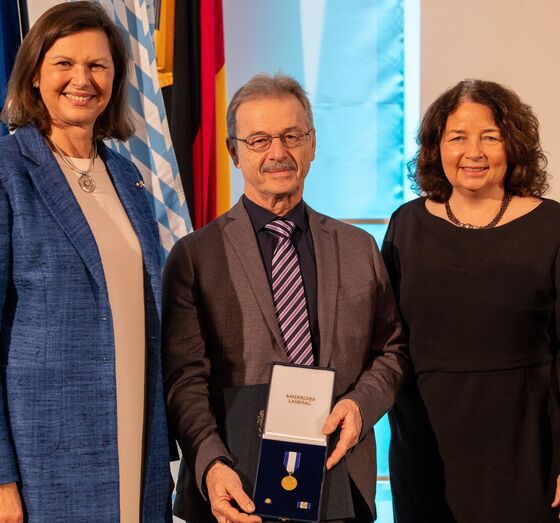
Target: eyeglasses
262, 142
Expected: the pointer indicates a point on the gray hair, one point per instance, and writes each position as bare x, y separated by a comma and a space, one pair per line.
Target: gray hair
263, 86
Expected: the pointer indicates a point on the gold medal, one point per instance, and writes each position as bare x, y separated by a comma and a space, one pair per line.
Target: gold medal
291, 462
289, 482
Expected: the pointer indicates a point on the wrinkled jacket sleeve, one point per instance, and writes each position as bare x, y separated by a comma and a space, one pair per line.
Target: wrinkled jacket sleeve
378, 386
8, 468
187, 367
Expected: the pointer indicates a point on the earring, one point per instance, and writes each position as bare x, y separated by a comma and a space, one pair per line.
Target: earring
35, 84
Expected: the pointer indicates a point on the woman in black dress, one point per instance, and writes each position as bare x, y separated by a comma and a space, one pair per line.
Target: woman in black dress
475, 264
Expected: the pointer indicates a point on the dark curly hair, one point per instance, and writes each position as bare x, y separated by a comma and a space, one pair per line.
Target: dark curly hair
24, 104
526, 173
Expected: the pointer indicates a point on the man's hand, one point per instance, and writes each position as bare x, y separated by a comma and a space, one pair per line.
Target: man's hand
556, 502
224, 486
10, 504
346, 415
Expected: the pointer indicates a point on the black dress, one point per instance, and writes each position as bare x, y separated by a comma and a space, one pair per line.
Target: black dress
476, 427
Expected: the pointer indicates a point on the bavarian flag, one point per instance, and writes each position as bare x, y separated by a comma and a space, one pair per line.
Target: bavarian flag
196, 106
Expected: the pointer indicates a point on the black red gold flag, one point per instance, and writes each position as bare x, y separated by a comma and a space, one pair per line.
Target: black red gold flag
196, 106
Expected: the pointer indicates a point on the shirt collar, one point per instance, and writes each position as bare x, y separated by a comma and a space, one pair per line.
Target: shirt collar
260, 216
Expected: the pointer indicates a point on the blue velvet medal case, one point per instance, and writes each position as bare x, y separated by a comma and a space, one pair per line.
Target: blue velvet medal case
293, 449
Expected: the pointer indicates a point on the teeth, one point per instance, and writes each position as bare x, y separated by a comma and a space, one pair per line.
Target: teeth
77, 98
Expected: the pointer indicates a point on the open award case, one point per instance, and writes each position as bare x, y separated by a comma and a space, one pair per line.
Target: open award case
293, 450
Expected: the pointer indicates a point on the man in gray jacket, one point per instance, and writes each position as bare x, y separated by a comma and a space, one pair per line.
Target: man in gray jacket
273, 280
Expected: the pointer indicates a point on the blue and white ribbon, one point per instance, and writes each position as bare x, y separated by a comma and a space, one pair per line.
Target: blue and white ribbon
291, 461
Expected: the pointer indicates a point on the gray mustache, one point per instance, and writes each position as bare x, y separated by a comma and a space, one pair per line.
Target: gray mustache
278, 166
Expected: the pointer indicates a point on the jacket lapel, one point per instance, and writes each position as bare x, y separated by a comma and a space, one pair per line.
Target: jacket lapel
326, 257
244, 243
53, 188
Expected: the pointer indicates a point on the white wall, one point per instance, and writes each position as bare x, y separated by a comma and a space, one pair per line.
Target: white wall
35, 8
514, 42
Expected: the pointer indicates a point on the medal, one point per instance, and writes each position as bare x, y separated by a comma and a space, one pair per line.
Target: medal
291, 462
289, 482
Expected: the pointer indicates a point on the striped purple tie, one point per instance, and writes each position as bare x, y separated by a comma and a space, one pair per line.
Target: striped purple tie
289, 295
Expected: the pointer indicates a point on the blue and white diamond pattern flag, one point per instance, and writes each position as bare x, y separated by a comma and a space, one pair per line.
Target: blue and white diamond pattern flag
150, 148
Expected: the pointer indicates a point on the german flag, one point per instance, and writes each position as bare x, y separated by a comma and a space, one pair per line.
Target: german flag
196, 108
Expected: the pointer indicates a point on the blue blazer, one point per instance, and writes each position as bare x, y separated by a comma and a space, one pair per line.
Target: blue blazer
58, 422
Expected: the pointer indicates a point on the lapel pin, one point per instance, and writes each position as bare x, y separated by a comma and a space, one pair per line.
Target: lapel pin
140, 184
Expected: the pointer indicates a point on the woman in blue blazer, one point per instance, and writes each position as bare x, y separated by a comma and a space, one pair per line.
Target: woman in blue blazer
83, 434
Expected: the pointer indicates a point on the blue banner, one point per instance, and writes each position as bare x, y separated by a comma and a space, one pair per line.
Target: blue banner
9, 43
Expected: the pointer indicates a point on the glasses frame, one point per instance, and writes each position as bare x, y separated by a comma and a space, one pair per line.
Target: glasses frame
280, 136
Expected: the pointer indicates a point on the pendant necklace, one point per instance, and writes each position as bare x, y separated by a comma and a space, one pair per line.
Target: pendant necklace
86, 181
454, 220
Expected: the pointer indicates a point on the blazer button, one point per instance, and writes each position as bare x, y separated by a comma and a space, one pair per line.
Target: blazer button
103, 318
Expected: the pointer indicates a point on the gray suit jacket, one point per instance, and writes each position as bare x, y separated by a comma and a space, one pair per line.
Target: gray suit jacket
220, 330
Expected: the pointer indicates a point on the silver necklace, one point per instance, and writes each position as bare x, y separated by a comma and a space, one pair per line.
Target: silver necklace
86, 181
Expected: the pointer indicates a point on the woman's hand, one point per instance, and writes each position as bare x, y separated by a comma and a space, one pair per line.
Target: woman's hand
10, 504
556, 502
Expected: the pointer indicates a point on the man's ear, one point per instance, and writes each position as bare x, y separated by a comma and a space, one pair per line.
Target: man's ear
231, 145
313, 144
